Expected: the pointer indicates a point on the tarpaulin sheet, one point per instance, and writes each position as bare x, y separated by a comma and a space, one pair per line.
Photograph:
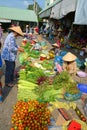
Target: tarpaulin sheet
45, 13
63, 8
81, 13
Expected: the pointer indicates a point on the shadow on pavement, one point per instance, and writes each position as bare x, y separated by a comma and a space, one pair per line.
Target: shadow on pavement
5, 92
5, 89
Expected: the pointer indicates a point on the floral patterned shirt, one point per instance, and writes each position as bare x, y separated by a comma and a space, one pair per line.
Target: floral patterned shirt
10, 48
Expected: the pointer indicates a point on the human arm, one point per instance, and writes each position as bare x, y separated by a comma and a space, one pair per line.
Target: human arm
20, 49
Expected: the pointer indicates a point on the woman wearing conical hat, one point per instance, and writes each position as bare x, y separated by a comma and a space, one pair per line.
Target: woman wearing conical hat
9, 53
56, 48
69, 63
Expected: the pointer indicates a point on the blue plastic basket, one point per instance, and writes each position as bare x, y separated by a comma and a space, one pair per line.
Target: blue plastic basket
82, 88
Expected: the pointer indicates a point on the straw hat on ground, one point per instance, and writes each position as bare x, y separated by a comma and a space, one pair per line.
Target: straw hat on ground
55, 45
59, 29
17, 29
35, 40
69, 57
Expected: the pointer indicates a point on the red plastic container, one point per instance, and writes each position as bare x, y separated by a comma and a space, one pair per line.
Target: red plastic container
74, 126
42, 58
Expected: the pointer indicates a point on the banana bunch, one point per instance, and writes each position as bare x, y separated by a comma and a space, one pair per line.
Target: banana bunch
57, 104
51, 55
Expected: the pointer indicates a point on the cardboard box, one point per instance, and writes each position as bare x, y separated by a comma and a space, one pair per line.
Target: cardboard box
59, 117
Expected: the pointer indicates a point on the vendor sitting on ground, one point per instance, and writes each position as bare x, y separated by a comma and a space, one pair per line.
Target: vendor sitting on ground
56, 48
36, 46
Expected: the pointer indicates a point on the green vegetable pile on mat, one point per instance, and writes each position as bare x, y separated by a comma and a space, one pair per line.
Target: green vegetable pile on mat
34, 82
33, 53
31, 74
23, 57
47, 64
22, 74
47, 93
26, 90
27, 47
62, 80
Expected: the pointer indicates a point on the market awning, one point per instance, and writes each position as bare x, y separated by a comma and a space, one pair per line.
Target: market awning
47, 11
81, 13
18, 14
62, 8
45, 14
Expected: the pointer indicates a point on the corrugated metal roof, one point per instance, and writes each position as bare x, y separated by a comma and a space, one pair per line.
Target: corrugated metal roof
17, 14
5, 21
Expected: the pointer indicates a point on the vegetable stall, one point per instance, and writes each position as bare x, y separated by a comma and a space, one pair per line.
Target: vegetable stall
40, 89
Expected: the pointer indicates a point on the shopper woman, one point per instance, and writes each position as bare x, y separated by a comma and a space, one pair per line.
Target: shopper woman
9, 54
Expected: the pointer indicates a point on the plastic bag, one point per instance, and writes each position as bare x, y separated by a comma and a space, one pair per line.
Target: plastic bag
72, 97
82, 88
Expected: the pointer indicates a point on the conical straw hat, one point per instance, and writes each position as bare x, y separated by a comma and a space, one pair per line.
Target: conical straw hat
60, 29
35, 40
17, 29
55, 45
69, 57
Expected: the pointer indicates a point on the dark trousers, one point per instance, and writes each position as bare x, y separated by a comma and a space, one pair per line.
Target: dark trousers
9, 72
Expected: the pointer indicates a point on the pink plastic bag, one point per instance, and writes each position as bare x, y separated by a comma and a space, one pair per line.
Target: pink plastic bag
59, 68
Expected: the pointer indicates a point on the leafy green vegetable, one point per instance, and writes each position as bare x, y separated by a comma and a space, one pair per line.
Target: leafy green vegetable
61, 80
34, 75
26, 90
47, 64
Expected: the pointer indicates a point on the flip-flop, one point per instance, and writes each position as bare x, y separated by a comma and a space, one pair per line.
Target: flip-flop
9, 85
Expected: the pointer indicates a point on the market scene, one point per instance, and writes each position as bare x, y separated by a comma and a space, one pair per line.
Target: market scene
43, 65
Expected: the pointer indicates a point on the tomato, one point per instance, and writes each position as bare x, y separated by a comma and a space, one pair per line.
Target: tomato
12, 129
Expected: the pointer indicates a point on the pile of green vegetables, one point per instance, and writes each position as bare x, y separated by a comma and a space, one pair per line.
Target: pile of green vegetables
25, 90
42, 93
48, 64
31, 74
23, 57
65, 81
34, 83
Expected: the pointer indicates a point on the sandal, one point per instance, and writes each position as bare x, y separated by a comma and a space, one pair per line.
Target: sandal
9, 85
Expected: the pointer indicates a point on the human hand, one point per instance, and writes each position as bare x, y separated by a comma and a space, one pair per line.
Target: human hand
20, 49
